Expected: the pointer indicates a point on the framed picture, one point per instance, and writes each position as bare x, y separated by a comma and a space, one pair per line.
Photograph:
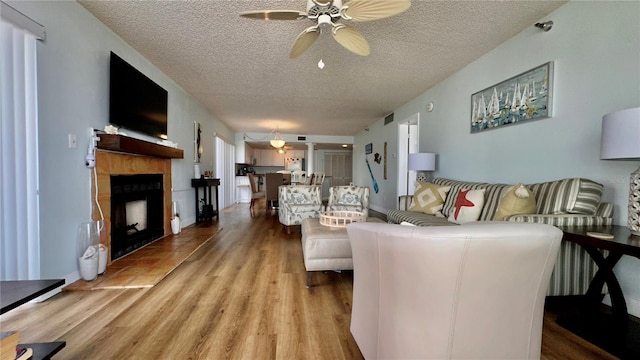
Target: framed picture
197, 142
368, 149
522, 98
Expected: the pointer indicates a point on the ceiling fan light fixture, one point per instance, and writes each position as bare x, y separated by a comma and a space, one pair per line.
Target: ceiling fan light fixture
326, 13
324, 20
277, 141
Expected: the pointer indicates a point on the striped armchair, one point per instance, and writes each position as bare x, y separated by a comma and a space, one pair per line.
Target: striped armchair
566, 202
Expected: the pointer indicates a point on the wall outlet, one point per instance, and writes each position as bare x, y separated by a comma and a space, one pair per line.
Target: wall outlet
73, 141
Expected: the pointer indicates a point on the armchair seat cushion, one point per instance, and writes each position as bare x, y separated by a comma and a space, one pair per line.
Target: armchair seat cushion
303, 208
357, 208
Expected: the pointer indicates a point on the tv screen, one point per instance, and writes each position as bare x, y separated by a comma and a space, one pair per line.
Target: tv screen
135, 101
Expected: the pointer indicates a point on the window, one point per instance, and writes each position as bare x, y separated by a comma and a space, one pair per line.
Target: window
19, 220
225, 171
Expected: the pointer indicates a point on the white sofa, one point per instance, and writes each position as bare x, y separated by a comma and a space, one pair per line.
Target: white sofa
474, 291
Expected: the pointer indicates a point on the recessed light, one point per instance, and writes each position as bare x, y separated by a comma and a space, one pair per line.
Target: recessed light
345, 145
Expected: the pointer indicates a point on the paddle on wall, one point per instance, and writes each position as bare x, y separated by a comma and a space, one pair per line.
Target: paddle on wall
375, 183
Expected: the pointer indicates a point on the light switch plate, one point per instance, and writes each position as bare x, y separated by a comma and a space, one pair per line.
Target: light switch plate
73, 141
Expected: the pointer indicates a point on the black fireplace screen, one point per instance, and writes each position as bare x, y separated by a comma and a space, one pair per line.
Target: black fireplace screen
137, 212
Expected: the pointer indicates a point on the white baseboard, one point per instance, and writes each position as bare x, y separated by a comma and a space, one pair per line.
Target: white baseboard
633, 304
68, 279
188, 221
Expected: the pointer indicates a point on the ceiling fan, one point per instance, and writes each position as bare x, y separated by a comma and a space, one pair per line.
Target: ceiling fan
326, 13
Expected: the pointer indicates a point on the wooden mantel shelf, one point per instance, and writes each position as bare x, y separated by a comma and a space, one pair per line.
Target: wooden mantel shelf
130, 145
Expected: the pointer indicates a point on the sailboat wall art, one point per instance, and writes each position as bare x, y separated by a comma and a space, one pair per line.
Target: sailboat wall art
522, 98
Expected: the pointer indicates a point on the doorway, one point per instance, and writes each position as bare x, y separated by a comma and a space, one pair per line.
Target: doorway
408, 142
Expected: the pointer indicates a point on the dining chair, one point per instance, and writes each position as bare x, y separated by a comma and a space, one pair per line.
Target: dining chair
318, 178
255, 194
298, 176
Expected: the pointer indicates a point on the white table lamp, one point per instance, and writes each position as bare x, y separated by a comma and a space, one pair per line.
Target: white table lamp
420, 162
621, 141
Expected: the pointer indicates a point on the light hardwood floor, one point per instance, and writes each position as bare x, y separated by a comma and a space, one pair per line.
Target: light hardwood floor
242, 295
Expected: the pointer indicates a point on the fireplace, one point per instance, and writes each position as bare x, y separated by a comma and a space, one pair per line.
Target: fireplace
137, 212
122, 156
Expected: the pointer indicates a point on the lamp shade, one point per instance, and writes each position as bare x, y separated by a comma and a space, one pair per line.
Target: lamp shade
620, 138
422, 161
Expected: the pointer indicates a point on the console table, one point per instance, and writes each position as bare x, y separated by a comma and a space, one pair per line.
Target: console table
208, 212
614, 332
16, 293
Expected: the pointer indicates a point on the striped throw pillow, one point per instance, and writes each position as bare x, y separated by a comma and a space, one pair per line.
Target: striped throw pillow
568, 196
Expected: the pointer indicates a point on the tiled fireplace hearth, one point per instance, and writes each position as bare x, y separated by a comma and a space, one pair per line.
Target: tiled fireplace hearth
110, 165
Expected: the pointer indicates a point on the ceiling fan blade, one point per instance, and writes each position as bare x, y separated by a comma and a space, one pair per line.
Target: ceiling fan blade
367, 10
274, 15
304, 41
351, 39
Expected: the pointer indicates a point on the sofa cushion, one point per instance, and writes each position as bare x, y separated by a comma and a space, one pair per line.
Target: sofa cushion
568, 196
468, 206
429, 198
395, 216
492, 195
516, 200
449, 202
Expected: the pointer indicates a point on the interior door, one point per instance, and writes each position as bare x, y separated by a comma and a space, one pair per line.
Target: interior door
338, 166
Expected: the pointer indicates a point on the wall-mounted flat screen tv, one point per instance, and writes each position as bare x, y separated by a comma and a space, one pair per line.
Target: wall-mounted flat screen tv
136, 102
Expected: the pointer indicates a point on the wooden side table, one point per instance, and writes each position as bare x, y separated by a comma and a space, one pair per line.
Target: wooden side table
208, 211
614, 332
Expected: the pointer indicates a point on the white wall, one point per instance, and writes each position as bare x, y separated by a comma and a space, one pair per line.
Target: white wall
595, 47
73, 91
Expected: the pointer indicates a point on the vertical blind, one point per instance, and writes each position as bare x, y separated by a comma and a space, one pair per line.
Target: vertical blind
19, 220
225, 171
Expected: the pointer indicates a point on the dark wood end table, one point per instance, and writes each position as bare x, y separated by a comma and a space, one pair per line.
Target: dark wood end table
614, 331
208, 211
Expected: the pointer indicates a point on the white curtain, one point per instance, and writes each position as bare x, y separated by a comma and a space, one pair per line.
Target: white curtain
225, 171
19, 220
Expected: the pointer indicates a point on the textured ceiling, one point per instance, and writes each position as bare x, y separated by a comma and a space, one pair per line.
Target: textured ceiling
240, 71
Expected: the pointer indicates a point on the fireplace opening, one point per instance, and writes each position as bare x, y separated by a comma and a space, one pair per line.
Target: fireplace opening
137, 212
